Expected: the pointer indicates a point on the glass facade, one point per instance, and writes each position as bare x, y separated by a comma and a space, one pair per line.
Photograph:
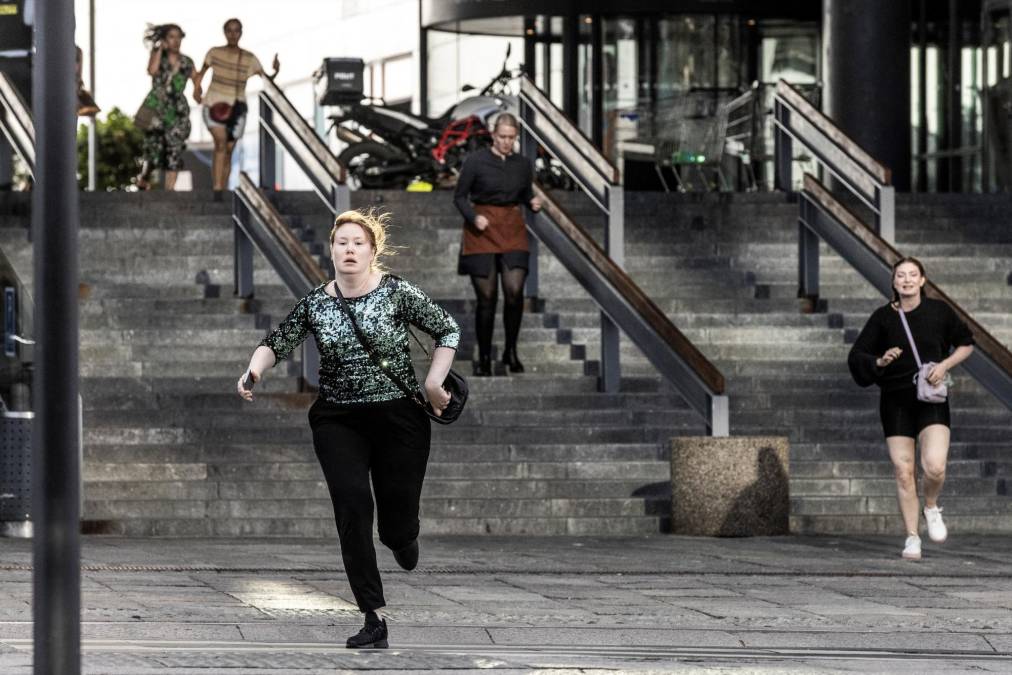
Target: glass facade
645, 79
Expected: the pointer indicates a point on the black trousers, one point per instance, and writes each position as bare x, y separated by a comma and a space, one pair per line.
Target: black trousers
388, 441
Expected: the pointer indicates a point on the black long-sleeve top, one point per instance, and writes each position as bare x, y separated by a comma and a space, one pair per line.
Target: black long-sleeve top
487, 178
936, 328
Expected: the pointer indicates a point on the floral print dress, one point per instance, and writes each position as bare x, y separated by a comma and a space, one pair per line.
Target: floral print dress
165, 141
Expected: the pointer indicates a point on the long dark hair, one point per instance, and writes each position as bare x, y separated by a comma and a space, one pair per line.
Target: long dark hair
908, 259
155, 34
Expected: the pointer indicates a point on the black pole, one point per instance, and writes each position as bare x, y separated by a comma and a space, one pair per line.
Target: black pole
953, 102
922, 96
570, 67
56, 464
530, 45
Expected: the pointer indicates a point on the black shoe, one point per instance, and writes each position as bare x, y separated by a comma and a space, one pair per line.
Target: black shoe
407, 557
372, 636
218, 196
510, 360
483, 367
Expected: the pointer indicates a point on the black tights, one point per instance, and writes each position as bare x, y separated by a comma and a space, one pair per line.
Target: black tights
486, 290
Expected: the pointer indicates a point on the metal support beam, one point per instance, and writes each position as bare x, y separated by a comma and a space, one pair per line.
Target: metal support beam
783, 151
310, 363
611, 369
243, 259
808, 256
529, 151
56, 508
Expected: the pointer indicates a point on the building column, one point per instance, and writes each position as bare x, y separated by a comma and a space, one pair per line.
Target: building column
866, 48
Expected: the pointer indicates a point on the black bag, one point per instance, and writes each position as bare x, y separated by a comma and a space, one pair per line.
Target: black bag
454, 383
238, 110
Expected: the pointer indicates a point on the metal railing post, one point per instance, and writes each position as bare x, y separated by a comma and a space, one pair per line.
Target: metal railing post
719, 425
92, 154
529, 150
885, 219
310, 363
243, 252
611, 374
614, 246
783, 151
340, 197
268, 149
808, 258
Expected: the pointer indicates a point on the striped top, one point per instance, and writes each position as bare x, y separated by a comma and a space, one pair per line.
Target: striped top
230, 70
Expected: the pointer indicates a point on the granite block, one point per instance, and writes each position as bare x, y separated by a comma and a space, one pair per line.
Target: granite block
730, 487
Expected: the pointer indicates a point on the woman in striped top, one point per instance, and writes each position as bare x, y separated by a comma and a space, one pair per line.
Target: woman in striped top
231, 67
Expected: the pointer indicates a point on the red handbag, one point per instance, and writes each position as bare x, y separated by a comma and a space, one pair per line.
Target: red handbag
220, 112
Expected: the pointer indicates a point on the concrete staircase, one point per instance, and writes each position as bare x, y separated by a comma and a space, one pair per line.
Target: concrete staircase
170, 449
724, 268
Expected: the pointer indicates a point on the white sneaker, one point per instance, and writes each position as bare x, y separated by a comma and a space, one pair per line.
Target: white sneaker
936, 528
912, 548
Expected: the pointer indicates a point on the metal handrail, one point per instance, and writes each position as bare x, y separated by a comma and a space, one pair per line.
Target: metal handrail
16, 122
873, 257
280, 122
624, 306
870, 181
258, 224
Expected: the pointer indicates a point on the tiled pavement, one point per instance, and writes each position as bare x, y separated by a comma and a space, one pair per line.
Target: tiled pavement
660, 603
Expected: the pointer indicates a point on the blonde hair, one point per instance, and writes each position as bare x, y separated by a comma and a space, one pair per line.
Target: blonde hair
374, 223
505, 120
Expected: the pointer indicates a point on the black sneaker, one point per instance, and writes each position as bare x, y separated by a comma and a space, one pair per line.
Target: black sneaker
372, 636
407, 557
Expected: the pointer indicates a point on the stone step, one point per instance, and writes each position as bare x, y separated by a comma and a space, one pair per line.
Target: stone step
324, 528
319, 506
954, 468
193, 453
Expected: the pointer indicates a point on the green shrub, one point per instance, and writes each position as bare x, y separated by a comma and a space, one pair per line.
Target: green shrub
118, 144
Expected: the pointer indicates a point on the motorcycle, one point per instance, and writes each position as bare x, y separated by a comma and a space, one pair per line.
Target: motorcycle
388, 148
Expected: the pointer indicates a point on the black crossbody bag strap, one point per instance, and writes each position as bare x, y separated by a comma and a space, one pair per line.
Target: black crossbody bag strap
414, 395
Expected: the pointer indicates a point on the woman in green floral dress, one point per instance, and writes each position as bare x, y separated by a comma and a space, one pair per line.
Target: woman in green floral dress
165, 140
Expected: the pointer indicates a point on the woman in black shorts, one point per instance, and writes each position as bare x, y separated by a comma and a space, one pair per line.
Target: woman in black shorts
882, 355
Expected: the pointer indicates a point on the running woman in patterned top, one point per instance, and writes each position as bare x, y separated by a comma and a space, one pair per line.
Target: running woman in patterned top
363, 424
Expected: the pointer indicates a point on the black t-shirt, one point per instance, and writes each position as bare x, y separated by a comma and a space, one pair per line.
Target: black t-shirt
936, 328
487, 178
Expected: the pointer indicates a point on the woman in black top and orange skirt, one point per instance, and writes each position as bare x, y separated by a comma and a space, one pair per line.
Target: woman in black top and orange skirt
493, 186
882, 355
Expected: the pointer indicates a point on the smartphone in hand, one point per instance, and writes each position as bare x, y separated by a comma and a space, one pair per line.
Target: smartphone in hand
247, 382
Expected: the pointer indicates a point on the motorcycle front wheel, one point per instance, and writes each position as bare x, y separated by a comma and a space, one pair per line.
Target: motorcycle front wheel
370, 166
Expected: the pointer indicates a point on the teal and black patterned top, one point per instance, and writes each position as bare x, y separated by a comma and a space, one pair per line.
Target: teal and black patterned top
347, 374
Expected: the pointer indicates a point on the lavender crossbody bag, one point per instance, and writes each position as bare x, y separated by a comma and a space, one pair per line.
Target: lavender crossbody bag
927, 392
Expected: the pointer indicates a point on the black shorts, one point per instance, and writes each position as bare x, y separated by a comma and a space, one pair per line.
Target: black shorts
484, 264
904, 415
